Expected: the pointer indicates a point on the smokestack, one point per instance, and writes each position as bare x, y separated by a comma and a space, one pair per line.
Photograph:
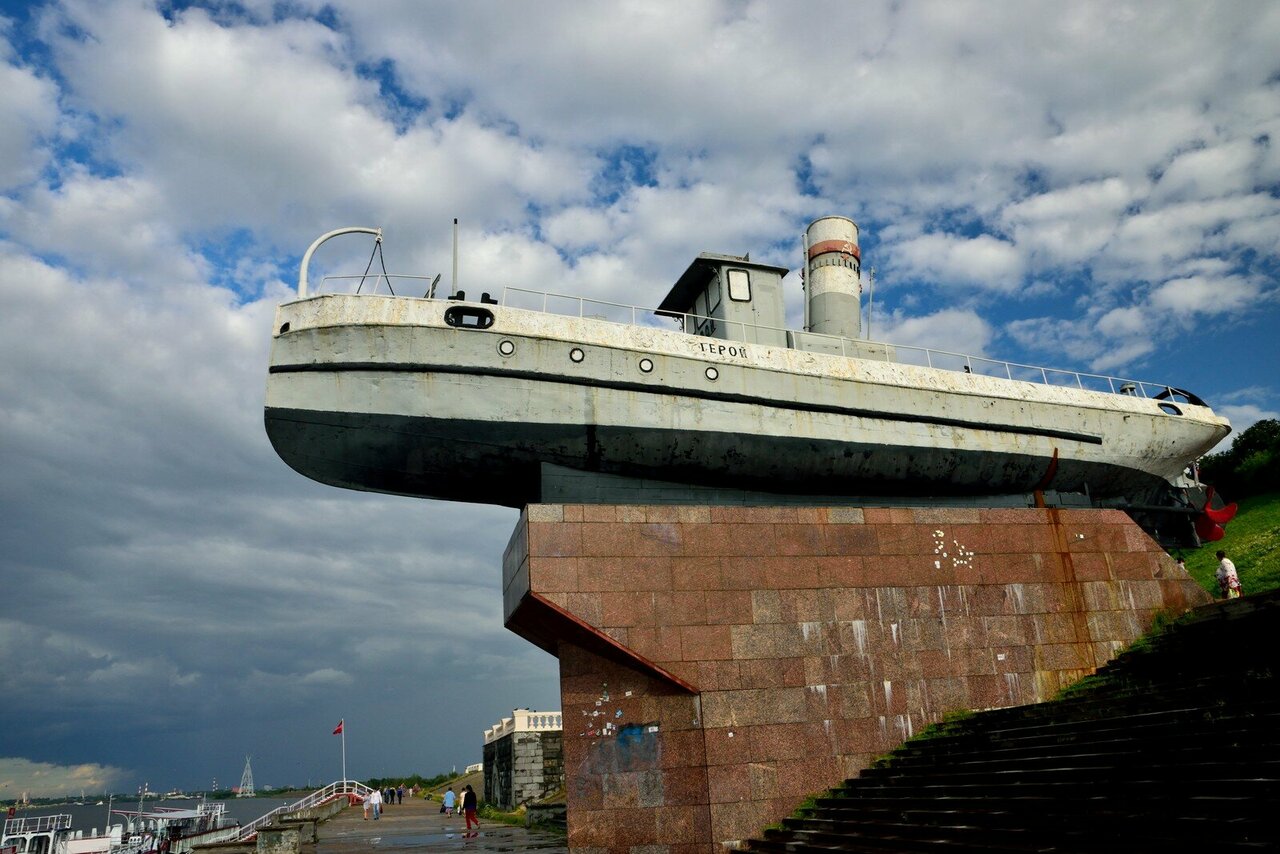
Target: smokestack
833, 281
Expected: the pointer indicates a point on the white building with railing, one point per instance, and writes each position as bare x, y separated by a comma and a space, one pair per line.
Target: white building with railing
523, 757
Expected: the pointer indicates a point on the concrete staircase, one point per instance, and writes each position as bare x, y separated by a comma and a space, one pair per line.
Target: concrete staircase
1175, 745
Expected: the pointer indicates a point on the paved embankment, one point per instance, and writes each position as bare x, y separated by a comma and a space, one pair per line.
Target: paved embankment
418, 825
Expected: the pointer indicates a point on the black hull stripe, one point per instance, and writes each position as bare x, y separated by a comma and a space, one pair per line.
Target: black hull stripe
619, 385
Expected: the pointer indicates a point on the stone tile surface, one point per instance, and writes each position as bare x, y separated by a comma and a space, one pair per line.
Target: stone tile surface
808, 640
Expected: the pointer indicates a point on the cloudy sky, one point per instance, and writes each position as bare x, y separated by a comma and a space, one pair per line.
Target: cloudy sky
1087, 185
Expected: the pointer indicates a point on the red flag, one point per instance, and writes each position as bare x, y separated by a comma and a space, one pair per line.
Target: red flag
339, 727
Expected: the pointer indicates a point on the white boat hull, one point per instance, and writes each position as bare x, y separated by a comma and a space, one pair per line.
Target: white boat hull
380, 394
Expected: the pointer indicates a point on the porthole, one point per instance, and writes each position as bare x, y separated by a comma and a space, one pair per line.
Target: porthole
577, 355
713, 374
284, 327
646, 365
506, 348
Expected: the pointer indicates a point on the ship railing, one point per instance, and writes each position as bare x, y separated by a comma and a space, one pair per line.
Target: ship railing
747, 333
567, 305
37, 824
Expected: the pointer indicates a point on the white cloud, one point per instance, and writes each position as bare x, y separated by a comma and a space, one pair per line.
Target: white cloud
950, 330
46, 780
1207, 295
984, 261
1222, 170
28, 116
1069, 225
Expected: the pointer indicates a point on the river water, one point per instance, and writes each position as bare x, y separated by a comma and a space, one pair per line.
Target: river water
90, 816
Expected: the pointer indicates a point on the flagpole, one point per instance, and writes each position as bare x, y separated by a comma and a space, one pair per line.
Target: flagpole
344, 751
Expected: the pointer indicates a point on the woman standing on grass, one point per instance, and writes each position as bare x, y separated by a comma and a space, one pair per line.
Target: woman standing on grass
1228, 579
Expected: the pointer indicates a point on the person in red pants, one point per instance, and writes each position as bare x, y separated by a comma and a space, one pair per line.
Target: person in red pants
469, 807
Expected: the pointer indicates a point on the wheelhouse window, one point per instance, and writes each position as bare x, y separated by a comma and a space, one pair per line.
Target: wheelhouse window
739, 286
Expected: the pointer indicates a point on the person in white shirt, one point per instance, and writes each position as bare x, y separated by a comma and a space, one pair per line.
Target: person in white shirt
376, 800
1228, 580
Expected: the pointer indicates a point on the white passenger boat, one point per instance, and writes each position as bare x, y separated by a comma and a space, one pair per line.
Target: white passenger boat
52, 834
524, 397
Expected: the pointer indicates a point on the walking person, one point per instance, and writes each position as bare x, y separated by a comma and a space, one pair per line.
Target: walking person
450, 800
375, 798
400, 794
469, 804
1228, 579
368, 805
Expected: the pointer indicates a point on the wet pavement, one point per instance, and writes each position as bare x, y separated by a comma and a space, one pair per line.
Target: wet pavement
418, 826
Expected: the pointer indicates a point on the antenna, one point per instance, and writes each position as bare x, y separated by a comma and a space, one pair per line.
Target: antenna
455, 255
246, 781
871, 297
804, 277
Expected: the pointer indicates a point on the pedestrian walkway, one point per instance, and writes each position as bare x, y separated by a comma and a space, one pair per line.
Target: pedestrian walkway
418, 825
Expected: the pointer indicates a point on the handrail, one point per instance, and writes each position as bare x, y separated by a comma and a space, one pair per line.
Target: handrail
319, 796
306, 259
925, 356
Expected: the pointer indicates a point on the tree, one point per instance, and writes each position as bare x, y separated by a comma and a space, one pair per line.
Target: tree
1250, 467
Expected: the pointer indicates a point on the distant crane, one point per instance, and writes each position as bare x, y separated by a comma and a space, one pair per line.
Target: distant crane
246, 781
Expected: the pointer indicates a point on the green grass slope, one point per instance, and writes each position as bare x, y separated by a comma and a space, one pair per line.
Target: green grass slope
1253, 544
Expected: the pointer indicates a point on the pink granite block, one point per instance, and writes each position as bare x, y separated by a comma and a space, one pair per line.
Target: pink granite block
1063, 656
1012, 516
625, 609
754, 642
702, 643
767, 672
684, 607
656, 643
684, 748
695, 573
740, 821
764, 781
554, 574
800, 606
599, 513
1137, 540
551, 539
1057, 628
900, 540
839, 515
943, 516
745, 540
850, 540
719, 675
766, 606
705, 540
655, 513
682, 824
1135, 565
729, 607
924, 633
743, 573
1004, 630
729, 784
946, 693
653, 540
585, 606
794, 572
847, 604
798, 540
685, 786
844, 571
